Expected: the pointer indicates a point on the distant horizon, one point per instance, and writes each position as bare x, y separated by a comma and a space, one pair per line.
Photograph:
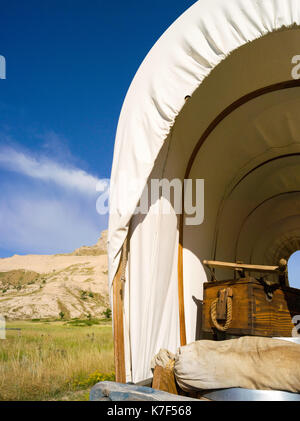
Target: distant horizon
50, 254
293, 263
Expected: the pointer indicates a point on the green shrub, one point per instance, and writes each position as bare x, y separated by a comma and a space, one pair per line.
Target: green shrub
91, 380
61, 315
107, 313
83, 322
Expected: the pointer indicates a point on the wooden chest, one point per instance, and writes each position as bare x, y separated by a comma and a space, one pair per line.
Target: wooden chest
257, 310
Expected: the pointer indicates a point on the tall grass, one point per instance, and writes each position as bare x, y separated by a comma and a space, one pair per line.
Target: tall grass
44, 360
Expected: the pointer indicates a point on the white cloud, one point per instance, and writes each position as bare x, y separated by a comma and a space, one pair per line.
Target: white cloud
46, 218
48, 170
31, 222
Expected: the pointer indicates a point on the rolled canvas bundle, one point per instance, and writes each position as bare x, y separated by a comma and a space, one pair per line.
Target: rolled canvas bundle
247, 362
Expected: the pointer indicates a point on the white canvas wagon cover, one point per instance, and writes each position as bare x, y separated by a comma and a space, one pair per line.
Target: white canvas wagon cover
239, 131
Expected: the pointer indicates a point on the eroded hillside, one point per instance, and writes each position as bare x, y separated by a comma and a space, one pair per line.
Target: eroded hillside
75, 284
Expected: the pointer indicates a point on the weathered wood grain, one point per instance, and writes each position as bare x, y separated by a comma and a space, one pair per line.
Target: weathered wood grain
164, 379
253, 312
118, 326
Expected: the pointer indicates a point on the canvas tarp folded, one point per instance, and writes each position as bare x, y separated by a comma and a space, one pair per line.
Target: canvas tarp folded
248, 362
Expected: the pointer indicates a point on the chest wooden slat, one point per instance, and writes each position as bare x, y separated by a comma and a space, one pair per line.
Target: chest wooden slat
252, 312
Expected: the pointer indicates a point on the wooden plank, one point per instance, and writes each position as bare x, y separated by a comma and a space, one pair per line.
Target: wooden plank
275, 318
164, 380
242, 266
119, 352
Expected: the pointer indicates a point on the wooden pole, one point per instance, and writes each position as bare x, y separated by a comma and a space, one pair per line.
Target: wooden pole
118, 324
181, 291
249, 268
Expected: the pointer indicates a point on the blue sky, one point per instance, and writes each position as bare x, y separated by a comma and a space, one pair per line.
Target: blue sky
69, 65
294, 270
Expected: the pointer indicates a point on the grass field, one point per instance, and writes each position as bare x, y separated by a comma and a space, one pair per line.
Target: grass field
55, 360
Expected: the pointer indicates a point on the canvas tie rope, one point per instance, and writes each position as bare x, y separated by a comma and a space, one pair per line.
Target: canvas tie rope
213, 313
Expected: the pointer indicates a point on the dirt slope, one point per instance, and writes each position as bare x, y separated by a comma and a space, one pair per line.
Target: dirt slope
40, 286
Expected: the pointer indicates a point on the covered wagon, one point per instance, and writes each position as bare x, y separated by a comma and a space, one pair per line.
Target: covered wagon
216, 101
